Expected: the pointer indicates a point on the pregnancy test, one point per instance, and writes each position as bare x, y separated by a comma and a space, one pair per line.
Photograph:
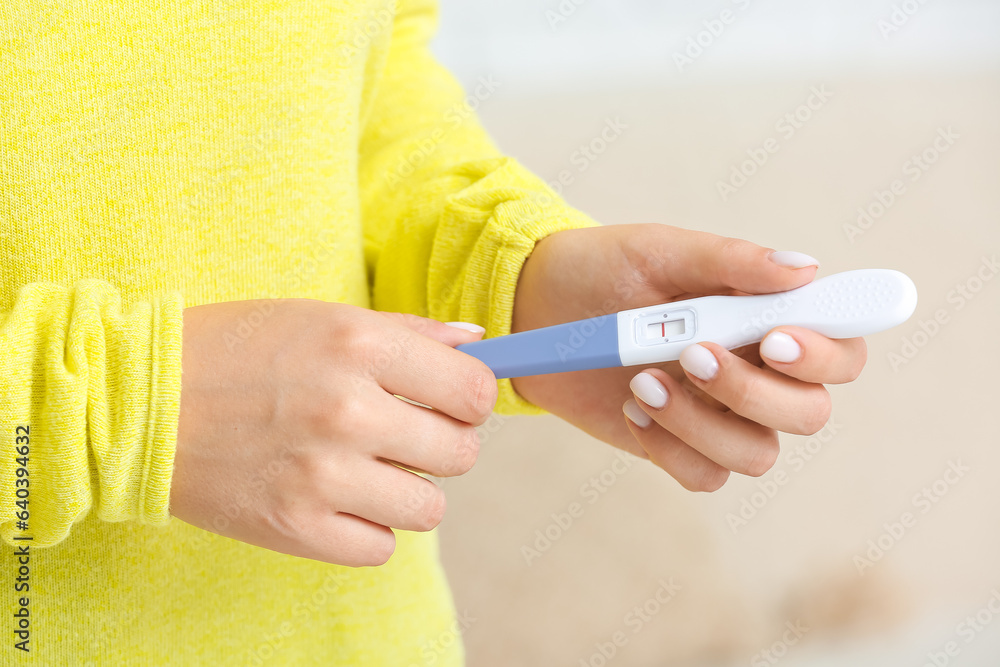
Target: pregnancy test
844, 305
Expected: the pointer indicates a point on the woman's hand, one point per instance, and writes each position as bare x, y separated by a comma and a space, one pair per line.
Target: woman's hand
290, 425
716, 410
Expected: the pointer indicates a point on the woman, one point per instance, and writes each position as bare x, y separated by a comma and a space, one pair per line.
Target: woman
202, 205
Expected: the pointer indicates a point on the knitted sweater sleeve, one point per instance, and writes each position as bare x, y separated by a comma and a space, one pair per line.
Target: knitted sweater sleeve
449, 221
89, 401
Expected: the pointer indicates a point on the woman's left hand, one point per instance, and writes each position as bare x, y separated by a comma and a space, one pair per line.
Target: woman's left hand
716, 410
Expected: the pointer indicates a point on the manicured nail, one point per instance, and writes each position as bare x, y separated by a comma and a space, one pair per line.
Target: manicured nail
780, 346
649, 389
792, 259
636, 414
474, 328
699, 361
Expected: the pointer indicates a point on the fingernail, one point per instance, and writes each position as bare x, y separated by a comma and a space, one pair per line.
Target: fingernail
780, 346
636, 414
649, 389
474, 328
699, 361
792, 259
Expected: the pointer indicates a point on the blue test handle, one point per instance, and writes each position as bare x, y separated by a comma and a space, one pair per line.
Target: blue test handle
574, 346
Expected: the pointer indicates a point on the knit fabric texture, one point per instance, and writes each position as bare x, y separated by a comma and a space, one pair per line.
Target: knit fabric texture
160, 154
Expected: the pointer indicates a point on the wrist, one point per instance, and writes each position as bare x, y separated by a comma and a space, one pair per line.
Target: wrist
527, 294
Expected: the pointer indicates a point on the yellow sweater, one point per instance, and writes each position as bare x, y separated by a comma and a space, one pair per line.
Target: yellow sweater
157, 154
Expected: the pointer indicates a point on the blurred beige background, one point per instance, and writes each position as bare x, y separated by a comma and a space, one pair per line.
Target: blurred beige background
651, 574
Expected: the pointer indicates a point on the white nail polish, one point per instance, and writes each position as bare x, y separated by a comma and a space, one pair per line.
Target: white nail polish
699, 361
649, 389
636, 414
466, 326
792, 259
781, 347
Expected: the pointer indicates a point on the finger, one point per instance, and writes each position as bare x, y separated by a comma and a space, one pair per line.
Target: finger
703, 263
732, 441
449, 333
410, 364
760, 395
430, 441
339, 538
390, 496
692, 469
812, 357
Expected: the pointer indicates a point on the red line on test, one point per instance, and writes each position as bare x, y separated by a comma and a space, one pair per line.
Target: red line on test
663, 329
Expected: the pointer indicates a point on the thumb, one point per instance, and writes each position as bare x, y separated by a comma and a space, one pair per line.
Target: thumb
451, 333
710, 264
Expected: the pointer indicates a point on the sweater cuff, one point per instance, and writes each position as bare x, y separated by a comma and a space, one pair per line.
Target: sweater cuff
504, 247
99, 388
164, 409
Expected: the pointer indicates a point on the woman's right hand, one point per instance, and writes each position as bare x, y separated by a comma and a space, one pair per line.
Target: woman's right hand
290, 425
